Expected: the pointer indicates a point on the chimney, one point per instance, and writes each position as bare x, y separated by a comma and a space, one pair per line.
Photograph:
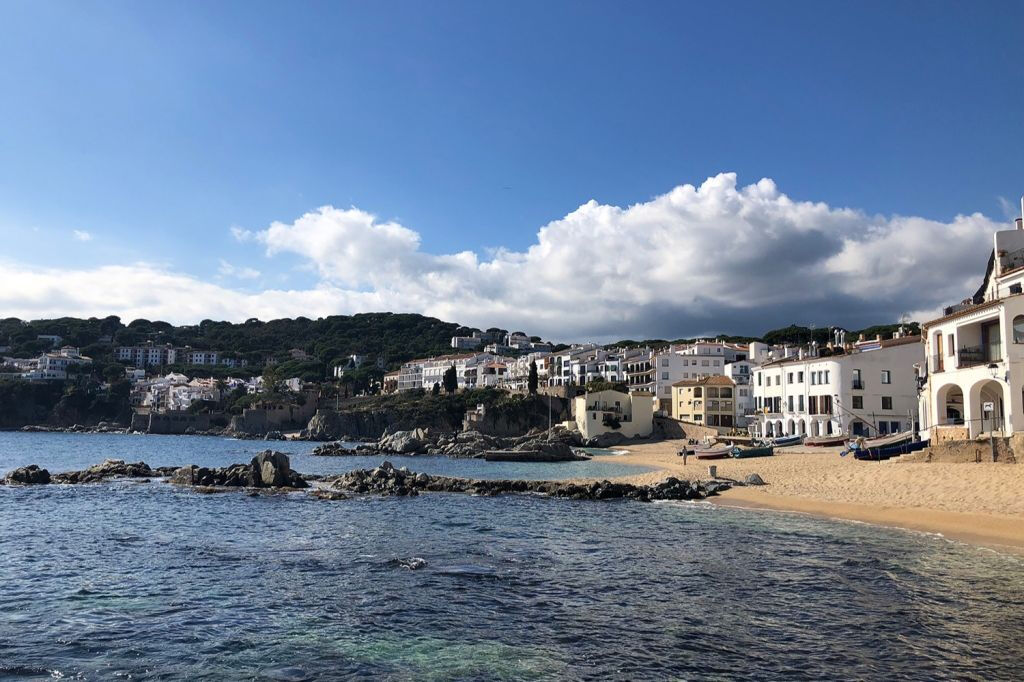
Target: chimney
800, 354
1019, 223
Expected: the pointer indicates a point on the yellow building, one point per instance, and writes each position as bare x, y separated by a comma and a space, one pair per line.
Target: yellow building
710, 401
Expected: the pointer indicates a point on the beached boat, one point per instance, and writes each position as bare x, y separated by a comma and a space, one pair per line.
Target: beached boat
715, 452
826, 441
742, 453
884, 441
882, 454
783, 441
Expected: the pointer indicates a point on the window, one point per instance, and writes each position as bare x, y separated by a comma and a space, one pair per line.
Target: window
800, 403
812, 404
800, 377
697, 392
826, 376
664, 376
789, 403
1018, 329
704, 363
894, 427
886, 402
858, 402
813, 377
886, 377
664, 362
952, 342
789, 378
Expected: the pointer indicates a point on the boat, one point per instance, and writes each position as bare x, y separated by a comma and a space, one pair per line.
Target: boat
741, 453
826, 441
882, 454
883, 441
715, 452
783, 441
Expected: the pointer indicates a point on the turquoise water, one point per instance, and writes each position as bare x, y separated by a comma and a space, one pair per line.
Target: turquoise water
134, 580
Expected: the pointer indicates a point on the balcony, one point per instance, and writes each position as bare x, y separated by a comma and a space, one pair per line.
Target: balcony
972, 356
857, 385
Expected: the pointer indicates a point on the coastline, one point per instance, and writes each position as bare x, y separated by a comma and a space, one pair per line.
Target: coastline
977, 503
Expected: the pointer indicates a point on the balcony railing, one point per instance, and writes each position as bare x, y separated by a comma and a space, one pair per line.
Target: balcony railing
971, 356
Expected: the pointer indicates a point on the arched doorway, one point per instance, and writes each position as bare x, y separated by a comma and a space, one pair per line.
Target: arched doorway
790, 429
769, 432
803, 427
988, 407
949, 404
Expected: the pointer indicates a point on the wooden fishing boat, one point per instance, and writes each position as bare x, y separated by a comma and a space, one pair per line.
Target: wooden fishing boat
783, 441
715, 452
885, 441
882, 454
826, 441
742, 453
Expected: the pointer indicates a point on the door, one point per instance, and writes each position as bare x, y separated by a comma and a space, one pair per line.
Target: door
991, 341
937, 351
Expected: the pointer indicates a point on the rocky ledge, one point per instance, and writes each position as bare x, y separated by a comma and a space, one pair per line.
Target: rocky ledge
387, 480
268, 469
554, 446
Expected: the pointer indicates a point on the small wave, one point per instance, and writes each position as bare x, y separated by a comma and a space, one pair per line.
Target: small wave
412, 563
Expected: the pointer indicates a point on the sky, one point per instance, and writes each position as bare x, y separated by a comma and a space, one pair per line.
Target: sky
577, 170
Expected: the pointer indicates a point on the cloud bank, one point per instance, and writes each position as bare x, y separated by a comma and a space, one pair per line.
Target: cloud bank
697, 259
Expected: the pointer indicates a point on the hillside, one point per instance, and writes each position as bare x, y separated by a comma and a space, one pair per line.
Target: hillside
394, 338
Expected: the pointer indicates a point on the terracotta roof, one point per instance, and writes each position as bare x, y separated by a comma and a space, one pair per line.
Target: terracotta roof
965, 311
713, 380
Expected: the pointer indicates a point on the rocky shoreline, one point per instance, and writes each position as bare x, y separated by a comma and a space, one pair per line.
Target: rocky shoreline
272, 470
557, 445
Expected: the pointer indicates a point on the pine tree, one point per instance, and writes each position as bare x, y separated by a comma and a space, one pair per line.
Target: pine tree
451, 380
531, 381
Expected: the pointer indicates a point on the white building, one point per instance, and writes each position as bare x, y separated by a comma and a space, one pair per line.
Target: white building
470, 368
410, 376
148, 355
54, 366
973, 379
630, 414
740, 372
866, 389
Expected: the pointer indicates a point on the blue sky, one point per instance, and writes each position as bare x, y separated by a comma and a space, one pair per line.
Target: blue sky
158, 127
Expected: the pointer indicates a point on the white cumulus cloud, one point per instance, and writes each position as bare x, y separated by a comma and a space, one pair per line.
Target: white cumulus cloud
81, 235
713, 257
226, 269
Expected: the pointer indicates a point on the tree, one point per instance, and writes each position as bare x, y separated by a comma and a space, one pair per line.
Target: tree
450, 380
436, 390
531, 381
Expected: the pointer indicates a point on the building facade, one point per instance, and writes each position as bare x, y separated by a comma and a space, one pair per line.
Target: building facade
973, 378
709, 401
630, 414
866, 389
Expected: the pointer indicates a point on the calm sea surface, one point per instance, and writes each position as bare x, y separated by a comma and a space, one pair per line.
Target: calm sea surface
132, 580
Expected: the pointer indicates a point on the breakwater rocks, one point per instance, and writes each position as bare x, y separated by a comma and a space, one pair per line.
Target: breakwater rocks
537, 447
268, 469
387, 480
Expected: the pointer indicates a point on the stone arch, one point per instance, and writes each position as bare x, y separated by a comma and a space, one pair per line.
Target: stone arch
987, 391
790, 427
803, 427
949, 405
768, 430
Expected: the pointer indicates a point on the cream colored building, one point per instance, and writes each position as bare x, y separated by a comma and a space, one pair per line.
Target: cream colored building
631, 414
710, 401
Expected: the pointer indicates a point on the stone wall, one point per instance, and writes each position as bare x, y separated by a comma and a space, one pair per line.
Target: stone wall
675, 429
170, 422
943, 434
1007, 451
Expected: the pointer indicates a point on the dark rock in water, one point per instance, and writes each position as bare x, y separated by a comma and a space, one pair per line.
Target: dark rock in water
30, 475
268, 469
605, 440
274, 435
111, 468
387, 480
754, 479
274, 468
334, 449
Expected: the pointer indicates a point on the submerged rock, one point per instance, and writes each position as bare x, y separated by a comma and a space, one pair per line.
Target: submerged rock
30, 475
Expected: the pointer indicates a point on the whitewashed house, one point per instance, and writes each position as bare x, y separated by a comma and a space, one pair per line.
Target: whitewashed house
866, 389
631, 414
974, 375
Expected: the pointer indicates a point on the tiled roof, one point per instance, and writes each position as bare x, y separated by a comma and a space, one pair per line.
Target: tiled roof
713, 380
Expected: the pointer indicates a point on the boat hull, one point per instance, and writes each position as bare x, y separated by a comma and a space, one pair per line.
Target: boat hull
744, 453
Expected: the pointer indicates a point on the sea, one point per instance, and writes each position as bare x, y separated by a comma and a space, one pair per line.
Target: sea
134, 580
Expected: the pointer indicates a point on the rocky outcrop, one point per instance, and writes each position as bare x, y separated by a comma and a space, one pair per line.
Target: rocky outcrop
387, 480
539, 446
102, 427
606, 440
108, 469
368, 424
268, 469
30, 475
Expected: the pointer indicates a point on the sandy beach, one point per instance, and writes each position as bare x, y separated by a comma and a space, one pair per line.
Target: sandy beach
981, 503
